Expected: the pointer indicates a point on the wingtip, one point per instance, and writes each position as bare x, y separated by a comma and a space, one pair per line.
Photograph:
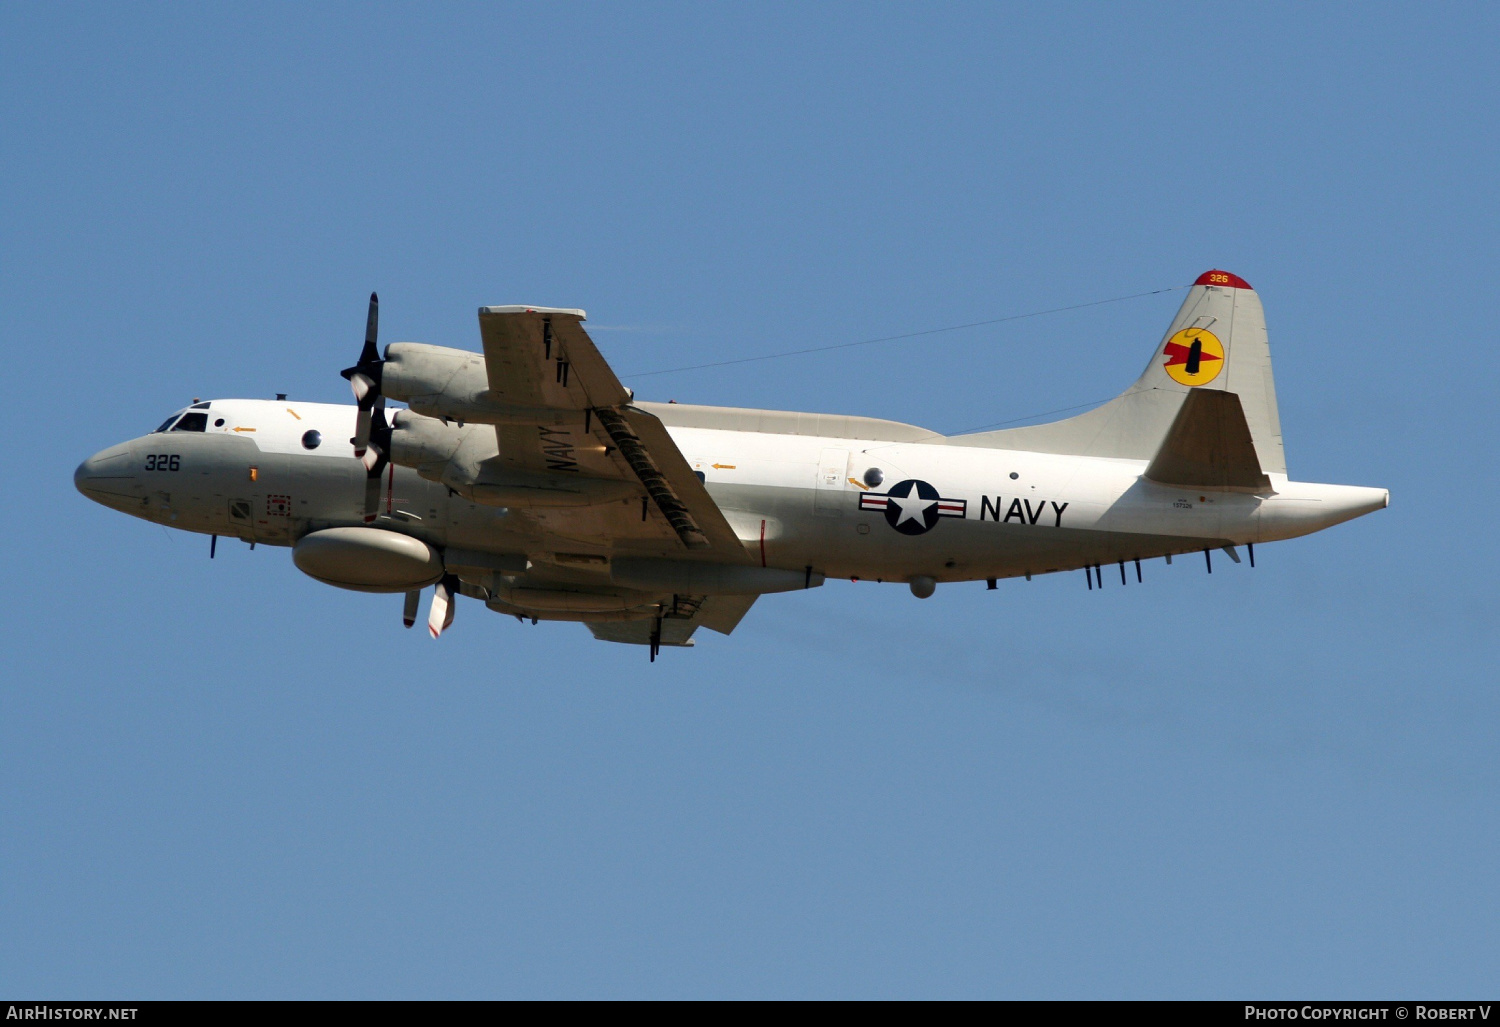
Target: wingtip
524, 308
1224, 279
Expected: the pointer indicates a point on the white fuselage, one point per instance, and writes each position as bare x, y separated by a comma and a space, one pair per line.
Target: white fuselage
795, 501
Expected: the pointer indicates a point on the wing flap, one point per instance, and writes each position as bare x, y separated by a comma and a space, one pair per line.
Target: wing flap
649, 450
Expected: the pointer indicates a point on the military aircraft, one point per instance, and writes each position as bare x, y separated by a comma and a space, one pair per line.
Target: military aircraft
528, 478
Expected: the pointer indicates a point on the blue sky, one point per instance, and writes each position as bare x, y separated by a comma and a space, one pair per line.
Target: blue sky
224, 779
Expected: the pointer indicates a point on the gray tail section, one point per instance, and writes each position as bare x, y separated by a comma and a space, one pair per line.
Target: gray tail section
1217, 342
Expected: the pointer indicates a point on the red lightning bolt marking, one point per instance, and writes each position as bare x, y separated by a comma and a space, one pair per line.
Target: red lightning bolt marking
1177, 353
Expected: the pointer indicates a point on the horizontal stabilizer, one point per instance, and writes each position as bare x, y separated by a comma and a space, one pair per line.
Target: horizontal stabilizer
1209, 446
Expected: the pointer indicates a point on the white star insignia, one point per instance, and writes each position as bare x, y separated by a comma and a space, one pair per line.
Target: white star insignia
913, 507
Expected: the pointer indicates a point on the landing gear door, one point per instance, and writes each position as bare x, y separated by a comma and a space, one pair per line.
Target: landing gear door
831, 492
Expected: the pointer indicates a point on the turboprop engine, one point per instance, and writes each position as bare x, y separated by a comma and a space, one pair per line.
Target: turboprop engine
466, 460
452, 383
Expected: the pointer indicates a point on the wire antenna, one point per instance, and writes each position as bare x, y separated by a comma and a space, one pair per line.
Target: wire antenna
905, 335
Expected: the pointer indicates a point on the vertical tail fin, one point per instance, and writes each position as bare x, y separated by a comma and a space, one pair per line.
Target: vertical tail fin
1216, 342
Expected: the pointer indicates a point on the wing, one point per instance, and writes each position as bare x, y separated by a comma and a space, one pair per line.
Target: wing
540, 358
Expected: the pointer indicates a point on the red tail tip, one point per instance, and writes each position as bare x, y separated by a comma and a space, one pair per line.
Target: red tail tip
1222, 278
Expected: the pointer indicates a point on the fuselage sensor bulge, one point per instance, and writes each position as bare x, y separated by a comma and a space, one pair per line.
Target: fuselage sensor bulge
527, 478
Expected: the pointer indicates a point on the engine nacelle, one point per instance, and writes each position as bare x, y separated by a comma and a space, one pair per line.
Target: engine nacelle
427, 445
466, 460
367, 559
421, 375
442, 382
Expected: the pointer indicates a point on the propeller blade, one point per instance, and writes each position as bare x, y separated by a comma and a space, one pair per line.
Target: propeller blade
439, 611
441, 614
372, 497
361, 385
361, 432
409, 609
372, 456
364, 381
370, 354
370, 419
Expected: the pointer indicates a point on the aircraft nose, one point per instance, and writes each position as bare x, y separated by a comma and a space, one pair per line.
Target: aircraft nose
106, 472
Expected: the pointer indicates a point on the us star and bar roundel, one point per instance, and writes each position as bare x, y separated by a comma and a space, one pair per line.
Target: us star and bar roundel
1195, 356
913, 507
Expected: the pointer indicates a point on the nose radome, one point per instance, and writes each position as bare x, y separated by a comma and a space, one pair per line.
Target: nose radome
104, 468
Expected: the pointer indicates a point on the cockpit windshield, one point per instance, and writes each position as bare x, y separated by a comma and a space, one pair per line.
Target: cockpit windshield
194, 421
190, 421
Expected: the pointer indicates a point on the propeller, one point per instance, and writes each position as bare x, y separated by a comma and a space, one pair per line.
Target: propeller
364, 379
443, 595
409, 608
372, 432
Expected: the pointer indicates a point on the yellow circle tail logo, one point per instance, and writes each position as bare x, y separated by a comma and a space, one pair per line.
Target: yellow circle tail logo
1194, 356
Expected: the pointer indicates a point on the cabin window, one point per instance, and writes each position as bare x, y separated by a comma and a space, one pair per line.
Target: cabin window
312, 439
192, 422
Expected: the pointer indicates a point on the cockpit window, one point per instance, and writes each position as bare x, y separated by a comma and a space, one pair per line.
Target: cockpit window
198, 406
166, 424
197, 421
